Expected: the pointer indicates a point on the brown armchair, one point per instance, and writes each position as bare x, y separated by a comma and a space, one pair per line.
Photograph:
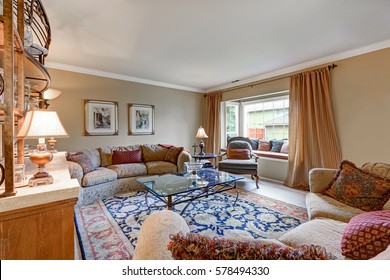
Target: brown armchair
239, 159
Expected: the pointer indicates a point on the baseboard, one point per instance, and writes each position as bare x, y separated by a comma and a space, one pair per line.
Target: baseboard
272, 180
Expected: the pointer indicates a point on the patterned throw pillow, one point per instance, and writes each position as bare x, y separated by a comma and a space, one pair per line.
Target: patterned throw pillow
173, 154
82, 159
264, 145
359, 189
277, 146
254, 143
366, 235
123, 157
197, 247
238, 154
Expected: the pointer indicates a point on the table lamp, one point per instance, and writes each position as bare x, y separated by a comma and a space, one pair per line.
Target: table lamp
201, 134
39, 124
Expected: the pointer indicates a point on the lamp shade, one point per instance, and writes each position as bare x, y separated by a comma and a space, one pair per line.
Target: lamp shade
41, 123
201, 133
51, 93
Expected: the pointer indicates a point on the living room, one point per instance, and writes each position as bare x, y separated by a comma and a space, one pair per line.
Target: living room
359, 87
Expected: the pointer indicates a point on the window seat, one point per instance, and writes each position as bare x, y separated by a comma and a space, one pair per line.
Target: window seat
270, 154
266, 154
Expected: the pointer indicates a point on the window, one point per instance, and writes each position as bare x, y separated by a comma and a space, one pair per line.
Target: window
231, 119
266, 118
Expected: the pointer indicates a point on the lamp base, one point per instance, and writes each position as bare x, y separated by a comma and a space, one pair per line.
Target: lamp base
201, 146
40, 179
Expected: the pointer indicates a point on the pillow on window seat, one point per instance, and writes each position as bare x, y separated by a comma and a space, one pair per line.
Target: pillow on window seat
264, 145
277, 146
284, 148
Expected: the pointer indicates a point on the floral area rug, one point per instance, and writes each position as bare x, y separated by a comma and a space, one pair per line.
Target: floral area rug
108, 229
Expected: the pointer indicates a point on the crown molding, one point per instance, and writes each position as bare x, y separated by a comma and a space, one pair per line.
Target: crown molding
308, 64
269, 75
89, 71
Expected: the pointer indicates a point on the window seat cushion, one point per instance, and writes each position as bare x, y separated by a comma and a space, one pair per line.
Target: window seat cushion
270, 154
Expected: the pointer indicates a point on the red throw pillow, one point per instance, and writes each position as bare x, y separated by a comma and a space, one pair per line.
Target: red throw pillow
123, 157
238, 154
366, 235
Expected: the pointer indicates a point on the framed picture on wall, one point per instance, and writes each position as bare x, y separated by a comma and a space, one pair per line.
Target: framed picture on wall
141, 119
101, 117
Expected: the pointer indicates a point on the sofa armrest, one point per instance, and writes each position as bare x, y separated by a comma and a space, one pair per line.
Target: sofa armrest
184, 156
153, 238
75, 171
319, 179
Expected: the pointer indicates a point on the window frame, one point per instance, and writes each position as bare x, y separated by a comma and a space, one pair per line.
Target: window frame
241, 103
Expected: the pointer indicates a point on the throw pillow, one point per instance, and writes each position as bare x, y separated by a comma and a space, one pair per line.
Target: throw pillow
105, 155
173, 154
359, 189
366, 235
264, 145
197, 247
123, 157
377, 168
238, 154
284, 149
254, 143
152, 152
277, 146
83, 160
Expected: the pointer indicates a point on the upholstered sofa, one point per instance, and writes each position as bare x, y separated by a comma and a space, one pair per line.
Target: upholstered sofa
320, 205
105, 171
328, 221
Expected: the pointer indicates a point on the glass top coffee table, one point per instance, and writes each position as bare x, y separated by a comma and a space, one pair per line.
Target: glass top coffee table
173, 189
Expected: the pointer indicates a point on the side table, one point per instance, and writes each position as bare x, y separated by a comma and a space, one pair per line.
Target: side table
198, 157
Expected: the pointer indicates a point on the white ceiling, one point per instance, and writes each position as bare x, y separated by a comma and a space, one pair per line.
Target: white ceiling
203, 45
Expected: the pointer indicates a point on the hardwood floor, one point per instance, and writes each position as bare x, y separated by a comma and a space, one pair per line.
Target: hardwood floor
274, 190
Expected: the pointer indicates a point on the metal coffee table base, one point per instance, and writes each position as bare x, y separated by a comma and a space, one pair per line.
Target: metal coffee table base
191, 196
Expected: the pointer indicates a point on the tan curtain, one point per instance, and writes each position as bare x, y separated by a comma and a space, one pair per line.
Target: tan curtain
312, 135
213, 122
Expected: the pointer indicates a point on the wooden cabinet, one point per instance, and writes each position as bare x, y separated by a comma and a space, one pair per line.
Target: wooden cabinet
37, 223
42, 232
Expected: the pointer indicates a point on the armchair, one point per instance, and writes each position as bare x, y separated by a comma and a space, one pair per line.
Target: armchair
239, 159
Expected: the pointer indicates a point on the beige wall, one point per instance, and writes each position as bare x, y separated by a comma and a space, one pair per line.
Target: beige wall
361, 104
177, 113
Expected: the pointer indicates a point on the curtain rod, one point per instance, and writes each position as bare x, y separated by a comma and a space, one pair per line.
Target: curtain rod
330, 67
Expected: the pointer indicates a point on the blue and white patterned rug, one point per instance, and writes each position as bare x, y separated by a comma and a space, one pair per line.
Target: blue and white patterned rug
108, 229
